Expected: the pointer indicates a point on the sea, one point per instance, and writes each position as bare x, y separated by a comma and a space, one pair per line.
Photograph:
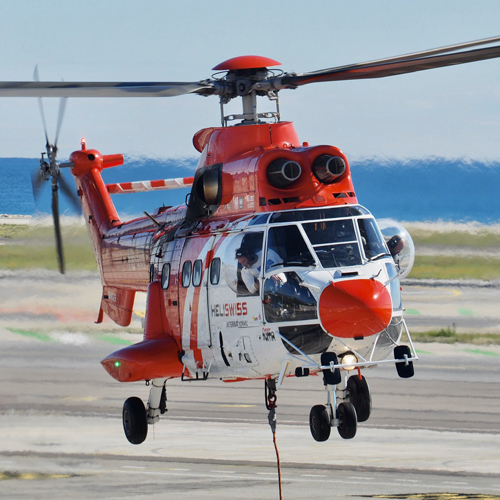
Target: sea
416, 190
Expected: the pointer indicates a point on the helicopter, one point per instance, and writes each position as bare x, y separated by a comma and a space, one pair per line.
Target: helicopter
271, 269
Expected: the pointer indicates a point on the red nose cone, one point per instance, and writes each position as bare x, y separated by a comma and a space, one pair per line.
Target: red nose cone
355, 308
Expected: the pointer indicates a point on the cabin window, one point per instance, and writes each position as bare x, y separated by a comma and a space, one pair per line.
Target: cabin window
242, 262
215, 271
186, 274
286, 300
197, 271
165, 276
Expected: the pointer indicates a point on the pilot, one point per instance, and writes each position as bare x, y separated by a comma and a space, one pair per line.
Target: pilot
250, 263
396, 244
251, 266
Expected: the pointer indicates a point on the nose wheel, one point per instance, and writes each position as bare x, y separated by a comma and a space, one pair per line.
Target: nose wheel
320, 423
344, 415
360, 397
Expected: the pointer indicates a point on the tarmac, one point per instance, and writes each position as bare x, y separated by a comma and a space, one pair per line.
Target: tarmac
60, 414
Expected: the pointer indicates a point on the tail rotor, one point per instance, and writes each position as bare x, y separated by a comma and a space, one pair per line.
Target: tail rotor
50, 169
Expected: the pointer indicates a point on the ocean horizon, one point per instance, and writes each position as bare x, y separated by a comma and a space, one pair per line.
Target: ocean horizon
416, 190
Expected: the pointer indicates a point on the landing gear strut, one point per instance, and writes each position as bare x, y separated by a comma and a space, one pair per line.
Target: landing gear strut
135, 416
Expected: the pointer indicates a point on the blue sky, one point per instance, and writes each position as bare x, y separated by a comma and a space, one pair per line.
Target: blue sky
452, 112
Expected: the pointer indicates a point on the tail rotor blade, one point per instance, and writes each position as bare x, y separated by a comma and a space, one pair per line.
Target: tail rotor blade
70, 194
37, 180
57, 226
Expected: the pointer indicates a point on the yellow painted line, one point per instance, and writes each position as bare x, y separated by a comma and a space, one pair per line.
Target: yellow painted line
30, 476
87, 399
451, 293
439, 496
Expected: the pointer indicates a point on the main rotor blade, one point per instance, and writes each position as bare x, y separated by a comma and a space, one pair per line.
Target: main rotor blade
62, 108
57, 227
36, 78
418, 61
104, 89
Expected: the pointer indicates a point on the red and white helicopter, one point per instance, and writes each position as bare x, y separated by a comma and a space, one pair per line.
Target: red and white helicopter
271, 269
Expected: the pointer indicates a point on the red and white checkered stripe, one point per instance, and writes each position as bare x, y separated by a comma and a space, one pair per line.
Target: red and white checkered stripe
140, 186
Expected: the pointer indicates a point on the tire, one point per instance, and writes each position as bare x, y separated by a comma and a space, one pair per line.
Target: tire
404, 370
135, 422
360, 397
329, 377
348, 422
319, 422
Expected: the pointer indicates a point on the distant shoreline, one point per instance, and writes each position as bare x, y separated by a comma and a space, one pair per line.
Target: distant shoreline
440, 226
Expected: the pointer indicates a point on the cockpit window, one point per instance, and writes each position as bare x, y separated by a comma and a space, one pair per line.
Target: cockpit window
334, 242
286, 247
373, 242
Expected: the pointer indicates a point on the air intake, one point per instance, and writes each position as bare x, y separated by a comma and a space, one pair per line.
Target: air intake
328, 168
282, 172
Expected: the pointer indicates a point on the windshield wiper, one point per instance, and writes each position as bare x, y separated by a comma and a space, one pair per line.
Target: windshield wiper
294, 262
378, 256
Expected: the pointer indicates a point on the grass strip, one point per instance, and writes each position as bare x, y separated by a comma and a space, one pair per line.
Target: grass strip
450, 336
454, 267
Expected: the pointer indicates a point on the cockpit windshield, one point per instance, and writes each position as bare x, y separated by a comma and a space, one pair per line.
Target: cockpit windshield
334, 241
340, 237
373, 242
286, 247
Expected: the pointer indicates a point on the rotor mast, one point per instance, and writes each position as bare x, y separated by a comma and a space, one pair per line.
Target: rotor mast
241, 80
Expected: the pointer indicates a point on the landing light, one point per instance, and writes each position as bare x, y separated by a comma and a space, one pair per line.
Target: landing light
349, 360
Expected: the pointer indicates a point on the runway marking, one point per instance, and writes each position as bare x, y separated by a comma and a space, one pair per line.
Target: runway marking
30, 476
39, 336
484, 353
87, 399
236, 406
290, 478
422, 295
111, 339
68, 337
438, 496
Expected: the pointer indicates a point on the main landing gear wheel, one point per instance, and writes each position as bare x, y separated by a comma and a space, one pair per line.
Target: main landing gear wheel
405, 369
348, 424
319, 422
360, 397
135, 421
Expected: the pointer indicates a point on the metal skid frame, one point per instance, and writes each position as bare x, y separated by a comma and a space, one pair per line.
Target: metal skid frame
360, 364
